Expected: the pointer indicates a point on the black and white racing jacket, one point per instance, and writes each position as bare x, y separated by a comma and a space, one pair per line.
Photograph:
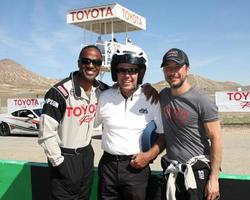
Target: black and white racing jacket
68, 117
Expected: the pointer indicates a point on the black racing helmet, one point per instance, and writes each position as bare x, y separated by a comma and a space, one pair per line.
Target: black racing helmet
129, 54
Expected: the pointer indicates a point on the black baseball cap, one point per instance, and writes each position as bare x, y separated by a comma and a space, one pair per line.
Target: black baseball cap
176, 55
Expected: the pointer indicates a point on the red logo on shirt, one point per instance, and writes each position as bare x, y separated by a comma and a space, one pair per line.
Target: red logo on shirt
177, 115
85, 112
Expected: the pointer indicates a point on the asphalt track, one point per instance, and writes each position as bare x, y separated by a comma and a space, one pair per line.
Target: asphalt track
236, 156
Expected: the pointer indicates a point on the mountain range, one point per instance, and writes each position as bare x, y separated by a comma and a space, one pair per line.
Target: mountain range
208, 85
16, 79
13, 74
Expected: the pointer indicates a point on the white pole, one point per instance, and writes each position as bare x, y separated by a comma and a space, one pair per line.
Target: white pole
112, 31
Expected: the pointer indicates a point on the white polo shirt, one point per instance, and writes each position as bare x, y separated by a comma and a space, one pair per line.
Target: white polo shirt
124, 120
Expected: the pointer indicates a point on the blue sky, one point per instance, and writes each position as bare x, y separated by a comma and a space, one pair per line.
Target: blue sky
215, 34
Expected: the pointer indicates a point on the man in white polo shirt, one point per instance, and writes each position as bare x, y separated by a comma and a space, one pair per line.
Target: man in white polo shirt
125, 112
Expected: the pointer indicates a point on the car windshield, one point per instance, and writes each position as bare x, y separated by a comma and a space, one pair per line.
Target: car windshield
38, 111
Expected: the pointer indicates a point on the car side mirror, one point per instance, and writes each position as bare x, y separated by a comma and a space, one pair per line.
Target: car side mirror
30, 116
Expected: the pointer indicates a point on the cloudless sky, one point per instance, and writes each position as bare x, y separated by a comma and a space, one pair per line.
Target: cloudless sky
214, 33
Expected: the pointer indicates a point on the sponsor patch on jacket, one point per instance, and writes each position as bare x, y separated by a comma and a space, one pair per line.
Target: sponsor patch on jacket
143, 110
52, 102
85, 113
63, 90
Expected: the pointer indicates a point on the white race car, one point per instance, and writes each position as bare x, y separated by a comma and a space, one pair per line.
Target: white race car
22, 121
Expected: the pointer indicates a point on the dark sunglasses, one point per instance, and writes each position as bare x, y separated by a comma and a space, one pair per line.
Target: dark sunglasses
130, 71
87, 61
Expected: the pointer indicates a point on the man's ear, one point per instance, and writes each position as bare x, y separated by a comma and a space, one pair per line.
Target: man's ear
188, 69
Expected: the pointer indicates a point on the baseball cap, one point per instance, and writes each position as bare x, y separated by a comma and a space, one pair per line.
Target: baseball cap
177, 55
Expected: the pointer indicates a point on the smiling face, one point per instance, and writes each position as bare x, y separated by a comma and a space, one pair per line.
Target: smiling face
89, 64
175, 74
127, 78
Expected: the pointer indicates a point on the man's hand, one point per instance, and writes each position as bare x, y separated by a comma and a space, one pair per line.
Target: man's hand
212, 190
115, 86
150, 92
140, 160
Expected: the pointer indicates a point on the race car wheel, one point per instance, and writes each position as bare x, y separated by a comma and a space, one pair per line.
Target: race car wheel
4, 129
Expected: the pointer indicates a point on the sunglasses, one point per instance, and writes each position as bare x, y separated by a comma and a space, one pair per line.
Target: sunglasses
130, 71
87, 61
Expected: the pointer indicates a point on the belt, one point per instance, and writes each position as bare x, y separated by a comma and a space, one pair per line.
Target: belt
75, 151
117, 157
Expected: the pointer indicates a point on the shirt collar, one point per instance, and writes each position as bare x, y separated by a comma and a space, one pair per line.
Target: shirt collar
76, 84
137, 92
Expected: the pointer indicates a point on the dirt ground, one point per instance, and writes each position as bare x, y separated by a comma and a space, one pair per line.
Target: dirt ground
236, 157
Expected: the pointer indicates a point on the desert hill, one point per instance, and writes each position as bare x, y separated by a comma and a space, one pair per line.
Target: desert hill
17, 81
13, 74
209, 86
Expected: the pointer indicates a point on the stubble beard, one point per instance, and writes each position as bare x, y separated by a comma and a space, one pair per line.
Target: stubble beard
179, 84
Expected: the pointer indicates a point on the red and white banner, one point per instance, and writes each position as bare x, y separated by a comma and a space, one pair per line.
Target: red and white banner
19, 103
233, 101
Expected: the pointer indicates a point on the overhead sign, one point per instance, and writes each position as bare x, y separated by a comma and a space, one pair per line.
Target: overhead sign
90, 14
106, 19
233, 101
19, 103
